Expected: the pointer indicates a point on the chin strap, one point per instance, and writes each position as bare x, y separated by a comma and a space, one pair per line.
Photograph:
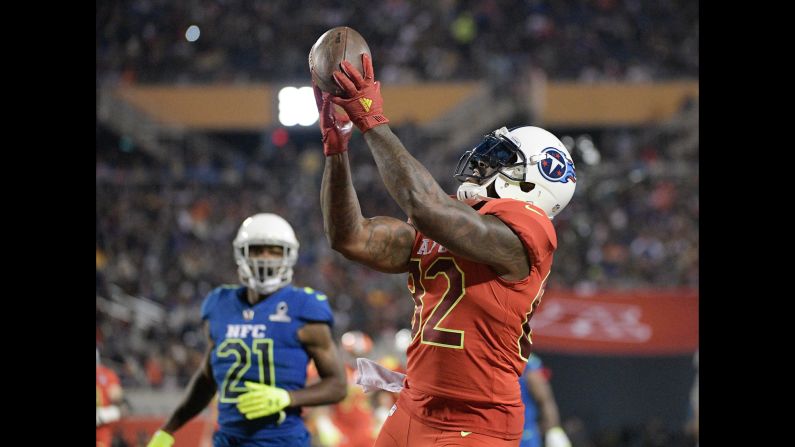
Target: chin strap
472, 193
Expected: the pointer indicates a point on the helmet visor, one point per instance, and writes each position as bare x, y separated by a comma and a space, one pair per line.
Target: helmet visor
494, 154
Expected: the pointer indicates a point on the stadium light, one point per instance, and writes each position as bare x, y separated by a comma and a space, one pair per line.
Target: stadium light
590, 154
297, 106
193, 33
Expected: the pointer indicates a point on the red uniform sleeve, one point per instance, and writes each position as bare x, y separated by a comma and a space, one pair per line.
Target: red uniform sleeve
529, 222
107, 377
113, 379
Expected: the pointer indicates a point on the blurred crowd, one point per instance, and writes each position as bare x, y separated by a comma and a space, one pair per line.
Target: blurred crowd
165, 229
244, 41
165, 224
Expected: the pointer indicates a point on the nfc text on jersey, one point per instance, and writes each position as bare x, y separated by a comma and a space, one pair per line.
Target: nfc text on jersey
243, 330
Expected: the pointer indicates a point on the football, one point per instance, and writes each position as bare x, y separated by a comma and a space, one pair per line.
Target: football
333, 47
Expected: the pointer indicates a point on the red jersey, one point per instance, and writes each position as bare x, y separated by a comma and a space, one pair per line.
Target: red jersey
471, 332
354, 415
106, 379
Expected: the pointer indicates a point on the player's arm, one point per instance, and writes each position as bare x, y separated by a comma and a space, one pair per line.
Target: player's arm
112, 412
542, 394
448, 222
381, 243
199, 393
549, 422
333, 385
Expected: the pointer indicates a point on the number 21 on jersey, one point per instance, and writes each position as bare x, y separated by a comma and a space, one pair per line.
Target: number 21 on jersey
262, 350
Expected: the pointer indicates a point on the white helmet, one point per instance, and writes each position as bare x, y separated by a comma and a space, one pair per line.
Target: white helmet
265, 275
526, 163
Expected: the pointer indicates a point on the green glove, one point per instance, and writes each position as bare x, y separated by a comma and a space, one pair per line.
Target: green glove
161, 439
262, 400
556, 437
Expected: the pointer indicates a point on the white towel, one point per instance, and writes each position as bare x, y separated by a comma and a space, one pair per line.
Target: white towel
373, 376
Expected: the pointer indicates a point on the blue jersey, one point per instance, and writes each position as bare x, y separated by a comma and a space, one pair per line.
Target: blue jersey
260, 343
531, 436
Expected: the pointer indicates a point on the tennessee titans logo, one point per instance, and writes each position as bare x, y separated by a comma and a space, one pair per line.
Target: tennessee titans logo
556, 167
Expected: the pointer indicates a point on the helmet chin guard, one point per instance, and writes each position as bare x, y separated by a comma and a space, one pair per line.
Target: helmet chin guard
473, 193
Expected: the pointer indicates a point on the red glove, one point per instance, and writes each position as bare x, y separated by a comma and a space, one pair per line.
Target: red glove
336, 129
364, 103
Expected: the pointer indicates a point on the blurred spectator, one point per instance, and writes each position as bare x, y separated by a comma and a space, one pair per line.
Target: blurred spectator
632, 223
635, 40
110, 399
